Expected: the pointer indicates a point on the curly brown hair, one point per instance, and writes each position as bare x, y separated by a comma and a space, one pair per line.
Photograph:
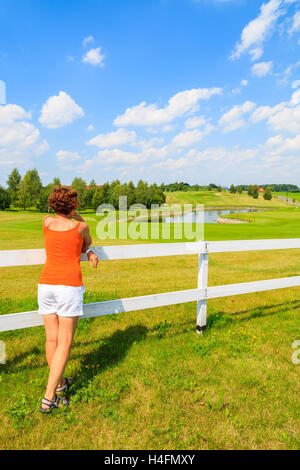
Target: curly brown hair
63, 200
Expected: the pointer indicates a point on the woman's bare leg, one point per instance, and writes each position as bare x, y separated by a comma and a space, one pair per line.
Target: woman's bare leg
66, 330
51, 328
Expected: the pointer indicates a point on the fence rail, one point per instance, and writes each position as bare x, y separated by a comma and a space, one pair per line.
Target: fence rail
200, 294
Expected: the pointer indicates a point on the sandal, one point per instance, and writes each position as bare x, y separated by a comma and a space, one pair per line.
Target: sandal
66, 387
52, 405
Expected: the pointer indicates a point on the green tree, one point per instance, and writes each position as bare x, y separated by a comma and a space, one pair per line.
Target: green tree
90, 194
25, 192
13, 182
219, 189
131, 196
35, 184
105, 188
240, 189
42, 204
98, 198
5, 199
232, 189
255, 192
268, 194
56, 181
80, 185
110, 191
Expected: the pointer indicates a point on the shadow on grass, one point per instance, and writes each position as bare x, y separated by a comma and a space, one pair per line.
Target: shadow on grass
114, 348
221, 320
108, 353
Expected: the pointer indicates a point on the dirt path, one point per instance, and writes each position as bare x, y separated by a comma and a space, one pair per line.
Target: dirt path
288, 200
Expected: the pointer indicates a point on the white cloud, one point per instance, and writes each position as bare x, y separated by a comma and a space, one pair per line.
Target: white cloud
295, 27
284, 117
287, 120
59, 111
94, 57
193, 122
178, 105
117, 155
67, 156
264, 112
90, 128
234, 119
261, 69
258, 30
256, 52
19, 139
296, 84
113, 139
87, 40
189, 138
148, 144
11, 113
244, 82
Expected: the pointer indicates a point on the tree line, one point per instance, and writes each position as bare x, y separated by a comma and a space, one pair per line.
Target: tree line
253, 190
29, 192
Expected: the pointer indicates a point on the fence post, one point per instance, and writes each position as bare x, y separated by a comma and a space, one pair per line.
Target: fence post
202, 284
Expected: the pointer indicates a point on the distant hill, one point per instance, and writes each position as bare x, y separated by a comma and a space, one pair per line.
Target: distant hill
284, 188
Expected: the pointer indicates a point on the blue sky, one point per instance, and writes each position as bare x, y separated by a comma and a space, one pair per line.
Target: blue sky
194, 90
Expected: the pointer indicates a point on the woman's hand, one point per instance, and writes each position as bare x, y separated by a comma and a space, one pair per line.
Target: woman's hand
93, 259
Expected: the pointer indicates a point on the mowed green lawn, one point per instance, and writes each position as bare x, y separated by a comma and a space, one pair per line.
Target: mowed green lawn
292, 196
221, 199
146, 380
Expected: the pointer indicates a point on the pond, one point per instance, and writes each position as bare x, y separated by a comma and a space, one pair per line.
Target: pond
210, 216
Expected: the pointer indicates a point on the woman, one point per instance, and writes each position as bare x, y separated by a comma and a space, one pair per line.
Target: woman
60, 288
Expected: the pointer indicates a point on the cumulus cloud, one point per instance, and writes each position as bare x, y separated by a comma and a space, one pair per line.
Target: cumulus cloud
113, 139
193, 122
178, 105
94, 57
264, 112
19, 138
59, 111
189, 138
287, 120
234, 119
261, 69
258, 30
284, 117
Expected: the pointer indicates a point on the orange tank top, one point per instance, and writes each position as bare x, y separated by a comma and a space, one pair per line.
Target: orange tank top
63, 249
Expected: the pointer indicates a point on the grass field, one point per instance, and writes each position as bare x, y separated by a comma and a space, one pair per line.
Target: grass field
222, 199
145, 380
292, 196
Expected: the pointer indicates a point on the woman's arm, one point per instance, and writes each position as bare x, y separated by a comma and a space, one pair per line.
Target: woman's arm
87, 241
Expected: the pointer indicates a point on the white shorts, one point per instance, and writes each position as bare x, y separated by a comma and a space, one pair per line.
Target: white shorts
66, 301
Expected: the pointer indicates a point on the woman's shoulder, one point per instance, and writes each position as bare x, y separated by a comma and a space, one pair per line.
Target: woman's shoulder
46, 220
83, 227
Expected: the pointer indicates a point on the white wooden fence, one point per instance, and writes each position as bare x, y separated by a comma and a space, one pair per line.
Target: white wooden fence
201, 294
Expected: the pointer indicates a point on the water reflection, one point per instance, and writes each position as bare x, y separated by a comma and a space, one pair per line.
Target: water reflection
210, 216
